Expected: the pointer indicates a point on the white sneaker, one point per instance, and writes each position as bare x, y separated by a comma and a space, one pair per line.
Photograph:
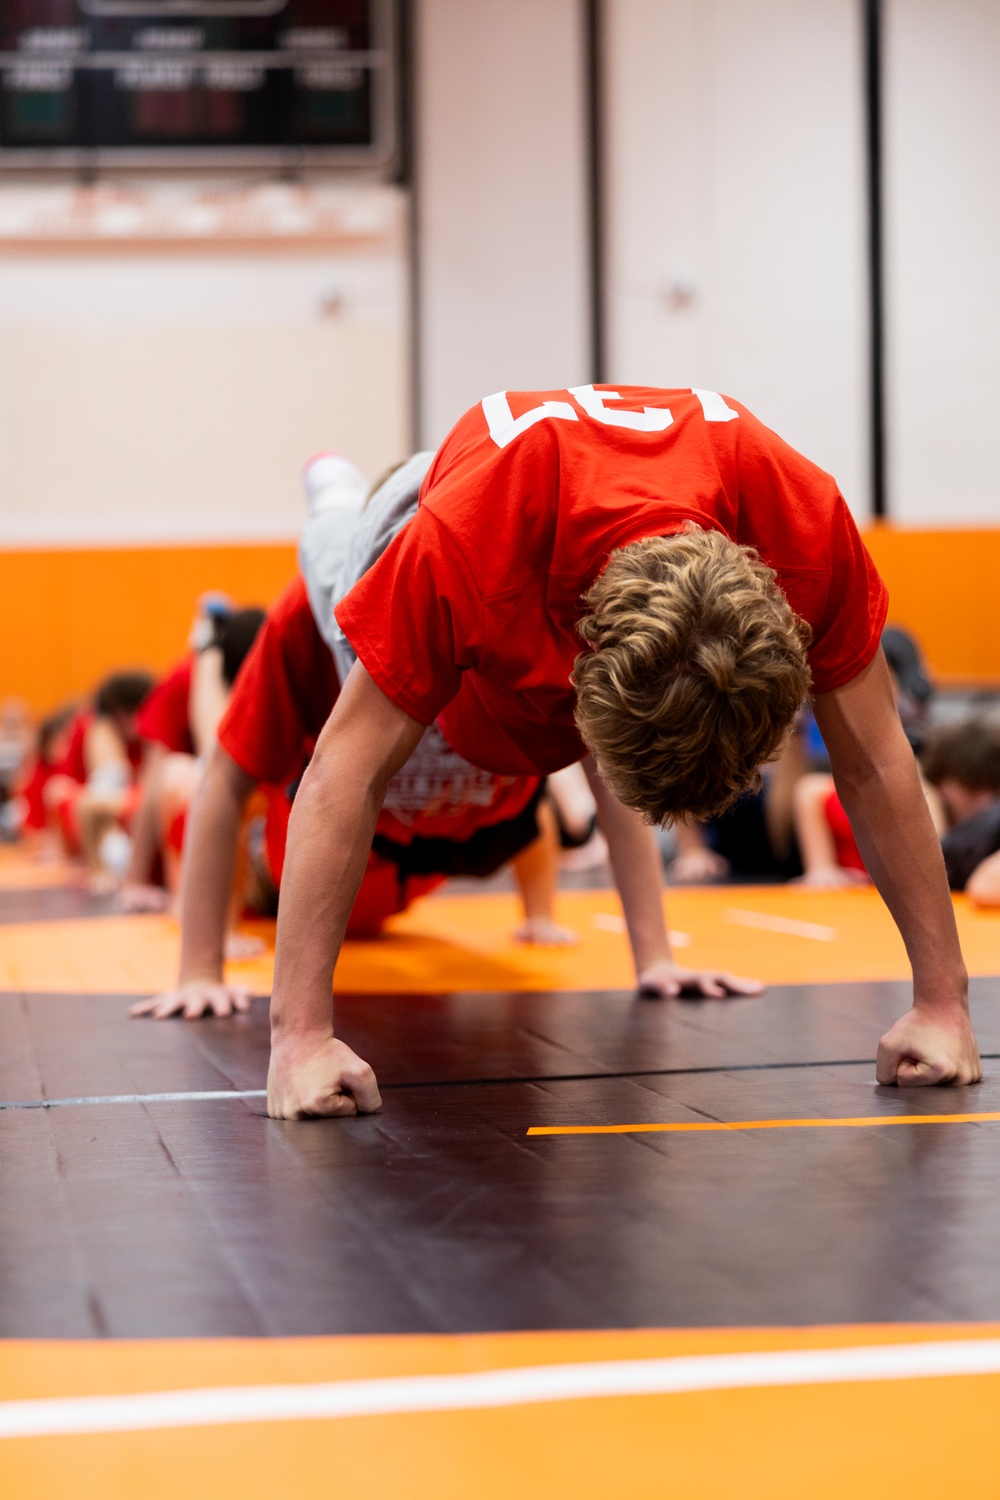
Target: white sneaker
332, 482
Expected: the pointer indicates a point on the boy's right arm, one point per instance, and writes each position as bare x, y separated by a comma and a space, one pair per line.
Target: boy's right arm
366, 740
209, 864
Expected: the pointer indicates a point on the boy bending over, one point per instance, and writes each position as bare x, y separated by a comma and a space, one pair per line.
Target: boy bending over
441, 815
648, 578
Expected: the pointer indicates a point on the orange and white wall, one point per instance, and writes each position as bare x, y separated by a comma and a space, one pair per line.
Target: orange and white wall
163, 374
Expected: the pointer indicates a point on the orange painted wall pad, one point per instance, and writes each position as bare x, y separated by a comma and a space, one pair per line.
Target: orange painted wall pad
62, 609
676, 1127
448, 944
68, 615
827, 1441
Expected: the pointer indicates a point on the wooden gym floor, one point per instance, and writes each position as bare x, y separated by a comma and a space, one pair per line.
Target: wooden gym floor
591, 1244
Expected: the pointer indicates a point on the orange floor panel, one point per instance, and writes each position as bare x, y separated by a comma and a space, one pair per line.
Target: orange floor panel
781, 934
827, 1441
19, 871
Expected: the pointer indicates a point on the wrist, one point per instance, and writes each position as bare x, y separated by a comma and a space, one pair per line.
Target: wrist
300, 1041
647, 957
945, 997
290, 1026
204, 973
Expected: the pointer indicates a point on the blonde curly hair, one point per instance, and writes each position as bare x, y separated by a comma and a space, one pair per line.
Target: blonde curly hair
696, 668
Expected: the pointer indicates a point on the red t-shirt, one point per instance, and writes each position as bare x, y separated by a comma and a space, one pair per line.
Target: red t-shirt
284, 695
74, 762
470, 615
33, 792
165, 715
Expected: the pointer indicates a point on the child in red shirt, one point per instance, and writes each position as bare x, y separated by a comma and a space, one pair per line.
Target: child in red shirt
470, 617
442, 815
93, 792
178, 724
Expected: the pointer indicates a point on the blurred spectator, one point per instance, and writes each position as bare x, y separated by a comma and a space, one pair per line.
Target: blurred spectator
755, 838
93, 792
914, 689
177, 723
16, 737
962, 762
51, 749
829, 852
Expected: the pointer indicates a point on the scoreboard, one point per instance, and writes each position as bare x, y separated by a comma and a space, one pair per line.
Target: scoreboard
196, 82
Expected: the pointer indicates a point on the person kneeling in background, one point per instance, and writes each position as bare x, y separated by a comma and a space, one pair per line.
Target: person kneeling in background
93, 793
442, 816
962, 763
827, 846
177, 725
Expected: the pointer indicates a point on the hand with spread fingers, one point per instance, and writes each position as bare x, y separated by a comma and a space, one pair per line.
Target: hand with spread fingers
144, 898
543, 932
665, 978
318, 1077
926, 1047
194, 999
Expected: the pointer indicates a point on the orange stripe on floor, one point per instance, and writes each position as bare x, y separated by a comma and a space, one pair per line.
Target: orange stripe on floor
453, 943
826, 1441
858, 1122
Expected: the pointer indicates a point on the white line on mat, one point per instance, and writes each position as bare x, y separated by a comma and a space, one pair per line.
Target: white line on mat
134, 1098
213, 1407
608, 921
790, 925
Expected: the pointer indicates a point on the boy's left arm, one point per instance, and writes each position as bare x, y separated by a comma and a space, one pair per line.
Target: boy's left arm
638, 872
876, 776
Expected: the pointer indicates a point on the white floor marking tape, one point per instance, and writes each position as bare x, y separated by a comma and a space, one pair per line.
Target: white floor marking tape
606, 921
134, 1098
771, 923
494, 1388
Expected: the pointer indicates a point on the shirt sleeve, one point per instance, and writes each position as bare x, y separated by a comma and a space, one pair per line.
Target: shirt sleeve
264, 727
164, 717
847, 633
415, 620
796, 517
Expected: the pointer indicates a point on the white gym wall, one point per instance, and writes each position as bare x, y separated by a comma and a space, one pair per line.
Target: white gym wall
942, 125
735, 203
151, 392
501, 202
172, 396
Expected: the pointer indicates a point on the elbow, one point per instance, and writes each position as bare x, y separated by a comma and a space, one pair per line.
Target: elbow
880, 766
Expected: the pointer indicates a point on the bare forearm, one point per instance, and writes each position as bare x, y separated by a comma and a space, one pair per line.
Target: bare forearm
365, 742
207, 700
638, 872
897, 841
329, 836
145, 825
209, 866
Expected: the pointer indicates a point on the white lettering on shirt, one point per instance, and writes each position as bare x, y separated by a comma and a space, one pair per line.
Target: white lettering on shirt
438, 782
650, 419
505, 427
713, 406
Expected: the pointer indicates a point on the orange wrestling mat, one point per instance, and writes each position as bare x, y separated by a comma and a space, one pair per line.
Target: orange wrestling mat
20, 871
781, 934
765, 1414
